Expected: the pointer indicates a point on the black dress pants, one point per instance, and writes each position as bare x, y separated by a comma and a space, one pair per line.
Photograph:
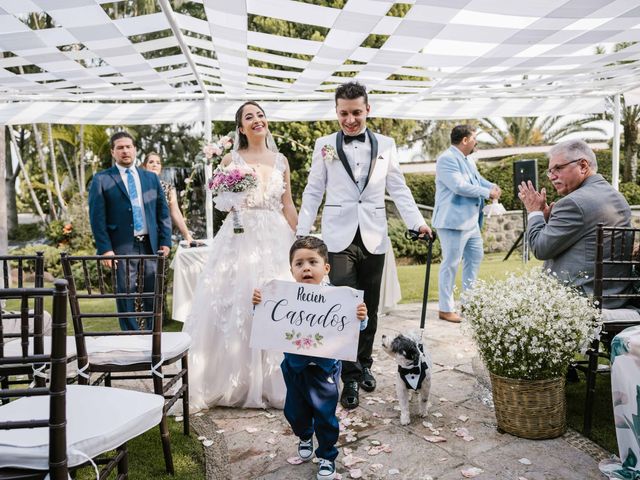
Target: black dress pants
355, 267
128, 305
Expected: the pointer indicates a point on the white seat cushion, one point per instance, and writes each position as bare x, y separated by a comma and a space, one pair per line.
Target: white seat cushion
128, 350
13, 325
14, 347
620, 315
99, 419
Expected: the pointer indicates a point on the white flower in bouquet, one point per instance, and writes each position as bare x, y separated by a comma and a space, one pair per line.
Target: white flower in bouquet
529, 326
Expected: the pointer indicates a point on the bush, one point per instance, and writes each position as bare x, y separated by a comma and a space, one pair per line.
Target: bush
423, 187
415, 251
51, 257
631, 192
26, 232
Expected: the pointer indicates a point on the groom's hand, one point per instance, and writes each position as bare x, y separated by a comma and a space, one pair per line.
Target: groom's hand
425, 230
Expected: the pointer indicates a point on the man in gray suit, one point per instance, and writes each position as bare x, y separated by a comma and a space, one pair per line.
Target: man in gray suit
563, 234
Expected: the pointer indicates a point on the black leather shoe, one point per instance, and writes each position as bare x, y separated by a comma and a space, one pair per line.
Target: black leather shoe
349, 398
368, 383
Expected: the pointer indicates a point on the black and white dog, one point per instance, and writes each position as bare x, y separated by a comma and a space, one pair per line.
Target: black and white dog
414, 371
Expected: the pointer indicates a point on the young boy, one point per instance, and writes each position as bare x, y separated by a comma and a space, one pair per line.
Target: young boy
312, 382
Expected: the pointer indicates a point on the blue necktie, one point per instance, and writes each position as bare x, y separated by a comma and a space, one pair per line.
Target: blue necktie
133, 196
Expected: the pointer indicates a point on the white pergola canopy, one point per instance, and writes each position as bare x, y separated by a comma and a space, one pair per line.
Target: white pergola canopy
463, 58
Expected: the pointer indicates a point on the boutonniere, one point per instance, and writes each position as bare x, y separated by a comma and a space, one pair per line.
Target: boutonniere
329, 153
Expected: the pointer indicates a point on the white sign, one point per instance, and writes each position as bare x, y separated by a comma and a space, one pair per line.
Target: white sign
315, 320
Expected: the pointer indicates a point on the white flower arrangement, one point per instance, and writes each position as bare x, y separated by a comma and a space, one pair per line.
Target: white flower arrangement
529, 326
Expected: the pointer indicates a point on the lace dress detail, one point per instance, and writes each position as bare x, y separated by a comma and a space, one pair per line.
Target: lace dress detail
223, 369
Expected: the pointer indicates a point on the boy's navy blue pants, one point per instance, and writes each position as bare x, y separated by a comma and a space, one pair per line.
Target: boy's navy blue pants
310, 406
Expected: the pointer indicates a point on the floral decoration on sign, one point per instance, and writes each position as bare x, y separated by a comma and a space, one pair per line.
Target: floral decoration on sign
329, 153
305, 342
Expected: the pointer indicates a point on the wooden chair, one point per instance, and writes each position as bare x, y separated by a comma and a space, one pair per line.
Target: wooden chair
127, 355
56, 429
27, 271
616, 292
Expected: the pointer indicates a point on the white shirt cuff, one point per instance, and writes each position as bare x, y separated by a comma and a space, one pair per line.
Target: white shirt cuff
537, 213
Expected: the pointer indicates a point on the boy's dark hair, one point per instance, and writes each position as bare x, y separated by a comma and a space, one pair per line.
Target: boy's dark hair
351, 91
310, 243
118, 136
459, 132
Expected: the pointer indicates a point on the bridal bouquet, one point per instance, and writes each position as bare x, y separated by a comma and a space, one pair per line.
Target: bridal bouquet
229, 186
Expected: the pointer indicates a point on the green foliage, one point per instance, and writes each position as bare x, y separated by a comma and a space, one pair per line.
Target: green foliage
423, 187
26, 232
51, 257
74, 234
631, 192
415, 251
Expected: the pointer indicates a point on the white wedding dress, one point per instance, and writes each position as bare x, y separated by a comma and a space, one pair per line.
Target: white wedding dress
223, 369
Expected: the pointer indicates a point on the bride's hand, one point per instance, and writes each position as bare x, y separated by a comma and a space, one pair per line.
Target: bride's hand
257, 296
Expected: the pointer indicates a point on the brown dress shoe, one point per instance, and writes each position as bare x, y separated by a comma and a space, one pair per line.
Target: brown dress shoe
452, 317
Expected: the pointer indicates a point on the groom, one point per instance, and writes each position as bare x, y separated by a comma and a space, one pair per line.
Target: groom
354, 167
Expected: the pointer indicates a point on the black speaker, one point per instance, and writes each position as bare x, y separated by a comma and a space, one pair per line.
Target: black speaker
523, 171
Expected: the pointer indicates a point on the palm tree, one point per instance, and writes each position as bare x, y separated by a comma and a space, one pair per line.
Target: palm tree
630, 119
530, 131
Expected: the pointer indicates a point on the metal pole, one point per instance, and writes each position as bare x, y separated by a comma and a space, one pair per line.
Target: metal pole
615, 151
4, 231
208, 170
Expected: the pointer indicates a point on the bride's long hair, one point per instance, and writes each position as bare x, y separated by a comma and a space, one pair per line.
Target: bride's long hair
241, 142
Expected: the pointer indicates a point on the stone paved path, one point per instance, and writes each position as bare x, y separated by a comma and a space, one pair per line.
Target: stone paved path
255, 444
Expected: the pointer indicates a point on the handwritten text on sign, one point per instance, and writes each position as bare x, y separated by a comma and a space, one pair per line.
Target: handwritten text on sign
315, 320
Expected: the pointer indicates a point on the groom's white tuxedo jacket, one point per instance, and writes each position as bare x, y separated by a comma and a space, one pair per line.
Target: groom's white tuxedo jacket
346, 208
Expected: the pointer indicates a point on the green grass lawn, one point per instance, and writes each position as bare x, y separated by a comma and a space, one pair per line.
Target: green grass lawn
412, 276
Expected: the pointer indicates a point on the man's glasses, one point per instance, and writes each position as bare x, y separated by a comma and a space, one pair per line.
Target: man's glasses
558, 168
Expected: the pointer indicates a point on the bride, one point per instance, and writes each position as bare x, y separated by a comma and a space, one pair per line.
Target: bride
223, 369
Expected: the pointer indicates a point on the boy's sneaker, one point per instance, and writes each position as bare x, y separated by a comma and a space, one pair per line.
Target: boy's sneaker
305, 449
326, 470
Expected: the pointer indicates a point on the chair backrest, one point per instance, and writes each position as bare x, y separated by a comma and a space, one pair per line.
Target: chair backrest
57, 386
617, 272
91, 282
21, 268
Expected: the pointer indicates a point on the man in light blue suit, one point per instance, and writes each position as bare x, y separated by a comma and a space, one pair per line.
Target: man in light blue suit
460, 195
129, 216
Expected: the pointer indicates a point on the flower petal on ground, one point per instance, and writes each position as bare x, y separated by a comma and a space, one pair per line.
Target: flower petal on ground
294, 460
351, 460
525, 461
471, 472
252, 429
434, 438
207, 443
355, 473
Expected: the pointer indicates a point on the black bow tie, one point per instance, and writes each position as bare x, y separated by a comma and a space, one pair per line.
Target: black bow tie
348, 139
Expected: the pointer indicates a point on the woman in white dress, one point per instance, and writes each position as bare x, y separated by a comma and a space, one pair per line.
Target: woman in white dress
223, 369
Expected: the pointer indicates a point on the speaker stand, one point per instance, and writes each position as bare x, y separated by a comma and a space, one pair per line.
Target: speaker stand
520, 239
